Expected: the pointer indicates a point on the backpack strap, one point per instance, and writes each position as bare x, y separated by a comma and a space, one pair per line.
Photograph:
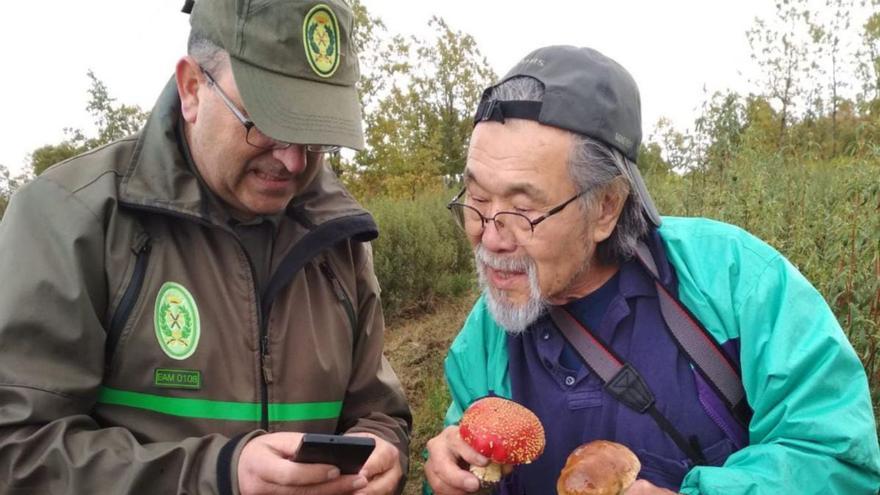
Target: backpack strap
697, 344
621, 380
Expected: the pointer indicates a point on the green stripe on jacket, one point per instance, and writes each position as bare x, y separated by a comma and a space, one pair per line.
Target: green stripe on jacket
222, 410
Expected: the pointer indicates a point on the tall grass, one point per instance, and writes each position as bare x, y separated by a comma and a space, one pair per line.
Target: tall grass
823, 216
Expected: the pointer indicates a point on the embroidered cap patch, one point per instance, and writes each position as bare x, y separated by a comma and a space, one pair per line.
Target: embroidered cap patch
321, 40
177, 321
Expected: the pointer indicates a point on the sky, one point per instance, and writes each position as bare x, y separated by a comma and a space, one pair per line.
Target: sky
678, 51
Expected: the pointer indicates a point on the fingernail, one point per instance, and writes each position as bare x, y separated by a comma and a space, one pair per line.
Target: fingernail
359, 483
482, 461
333, 474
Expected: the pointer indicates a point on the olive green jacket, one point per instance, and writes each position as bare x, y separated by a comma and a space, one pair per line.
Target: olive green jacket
136, 355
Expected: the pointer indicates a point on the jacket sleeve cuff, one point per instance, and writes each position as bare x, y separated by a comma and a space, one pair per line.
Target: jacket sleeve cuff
227, 462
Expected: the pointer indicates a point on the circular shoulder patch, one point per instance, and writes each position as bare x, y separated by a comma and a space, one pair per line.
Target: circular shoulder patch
321, 40
177, 321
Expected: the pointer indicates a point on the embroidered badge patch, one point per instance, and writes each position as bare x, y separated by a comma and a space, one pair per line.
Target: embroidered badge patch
321, 35
177, 321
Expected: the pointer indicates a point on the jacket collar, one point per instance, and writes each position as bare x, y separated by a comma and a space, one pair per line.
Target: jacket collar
158, 176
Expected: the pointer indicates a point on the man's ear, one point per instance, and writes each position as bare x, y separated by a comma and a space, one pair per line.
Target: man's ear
189, 80
609, 208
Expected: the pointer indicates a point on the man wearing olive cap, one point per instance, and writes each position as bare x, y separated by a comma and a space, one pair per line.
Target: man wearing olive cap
181, 305
691, 342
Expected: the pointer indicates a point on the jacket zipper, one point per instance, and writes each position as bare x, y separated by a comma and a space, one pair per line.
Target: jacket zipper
340, 294
264, 383
141, 250
263, 323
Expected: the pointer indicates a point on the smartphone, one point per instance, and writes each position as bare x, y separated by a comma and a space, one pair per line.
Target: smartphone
348, 453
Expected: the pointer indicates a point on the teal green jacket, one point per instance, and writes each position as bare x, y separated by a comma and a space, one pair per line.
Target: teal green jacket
813, 428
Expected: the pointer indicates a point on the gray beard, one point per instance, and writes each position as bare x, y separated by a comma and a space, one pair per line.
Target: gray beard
514, 318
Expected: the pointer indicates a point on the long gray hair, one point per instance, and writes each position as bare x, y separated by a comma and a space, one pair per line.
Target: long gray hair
594, 167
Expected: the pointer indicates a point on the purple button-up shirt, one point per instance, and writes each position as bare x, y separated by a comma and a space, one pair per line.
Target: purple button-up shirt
574, 408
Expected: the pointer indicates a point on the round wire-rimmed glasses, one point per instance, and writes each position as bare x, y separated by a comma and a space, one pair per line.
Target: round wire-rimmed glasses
508, 223
254, 136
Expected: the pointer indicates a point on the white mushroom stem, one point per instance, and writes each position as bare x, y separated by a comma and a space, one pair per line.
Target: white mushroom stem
489, 474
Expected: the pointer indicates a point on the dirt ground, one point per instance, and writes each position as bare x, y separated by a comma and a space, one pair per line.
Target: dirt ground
416, 347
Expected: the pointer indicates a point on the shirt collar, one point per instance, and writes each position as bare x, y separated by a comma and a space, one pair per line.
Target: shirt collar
635, 280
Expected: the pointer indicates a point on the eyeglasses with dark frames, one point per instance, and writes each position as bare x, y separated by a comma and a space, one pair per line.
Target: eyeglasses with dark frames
254, 136
521, 227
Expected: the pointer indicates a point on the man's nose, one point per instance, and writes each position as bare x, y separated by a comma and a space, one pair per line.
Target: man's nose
293, 158
497, 240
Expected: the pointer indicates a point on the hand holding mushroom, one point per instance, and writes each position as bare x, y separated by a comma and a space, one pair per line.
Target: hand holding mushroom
494, 434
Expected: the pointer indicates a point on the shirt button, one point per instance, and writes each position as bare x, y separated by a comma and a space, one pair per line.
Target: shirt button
569, 380
546, 336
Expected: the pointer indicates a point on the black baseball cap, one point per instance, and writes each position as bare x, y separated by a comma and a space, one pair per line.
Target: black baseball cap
584, 92
294, 63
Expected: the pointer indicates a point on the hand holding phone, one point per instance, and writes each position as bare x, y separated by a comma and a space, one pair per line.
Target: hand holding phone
348, 453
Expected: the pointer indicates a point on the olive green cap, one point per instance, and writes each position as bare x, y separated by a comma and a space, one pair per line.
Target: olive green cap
294, 64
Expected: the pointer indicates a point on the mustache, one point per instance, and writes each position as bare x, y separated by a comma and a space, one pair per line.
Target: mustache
270, 166
503, 263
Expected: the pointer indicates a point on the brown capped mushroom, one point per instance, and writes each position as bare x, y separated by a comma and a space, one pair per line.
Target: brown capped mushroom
599, 467
505, 432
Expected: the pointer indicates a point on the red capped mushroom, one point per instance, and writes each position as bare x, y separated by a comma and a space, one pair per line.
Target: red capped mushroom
505, 432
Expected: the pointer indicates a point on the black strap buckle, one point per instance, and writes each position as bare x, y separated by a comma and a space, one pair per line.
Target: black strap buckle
628, 387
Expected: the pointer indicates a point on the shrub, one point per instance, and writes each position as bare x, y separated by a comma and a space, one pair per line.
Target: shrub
420, 254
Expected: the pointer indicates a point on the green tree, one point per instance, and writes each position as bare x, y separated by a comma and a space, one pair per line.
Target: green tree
869, 61
371, 40
417, 96
8, 185
5, 193
830, 48
762, 123
781, 56
651, 160
719, 129
112, 121
452, 87
50, 154
678, 148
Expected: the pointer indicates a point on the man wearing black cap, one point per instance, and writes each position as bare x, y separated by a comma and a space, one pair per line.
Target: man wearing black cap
181, 305
690, 341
